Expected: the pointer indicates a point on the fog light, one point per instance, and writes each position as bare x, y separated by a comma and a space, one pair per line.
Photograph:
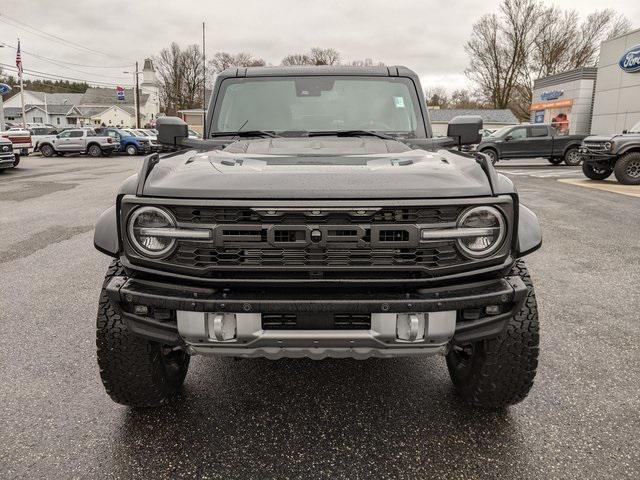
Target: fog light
140, 310
492, 309
222, 326
410, 326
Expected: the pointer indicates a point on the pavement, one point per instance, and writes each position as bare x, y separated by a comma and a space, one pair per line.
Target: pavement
332, 419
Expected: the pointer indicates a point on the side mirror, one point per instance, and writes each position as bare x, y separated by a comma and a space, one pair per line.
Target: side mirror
465, 129
625, 131
171, 130
507, 138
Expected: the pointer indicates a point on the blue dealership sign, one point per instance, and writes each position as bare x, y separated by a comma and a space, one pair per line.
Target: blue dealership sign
539, 116
630, 61
4, 88
552, 95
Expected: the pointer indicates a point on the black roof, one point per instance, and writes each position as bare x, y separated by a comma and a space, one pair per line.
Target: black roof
378, 71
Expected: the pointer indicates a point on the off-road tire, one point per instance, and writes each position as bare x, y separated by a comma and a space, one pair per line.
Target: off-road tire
131, 150
499, 372
94, 151
593, 172
627, 169
555, 161
134, 371
47, 151
492, 154
572, 157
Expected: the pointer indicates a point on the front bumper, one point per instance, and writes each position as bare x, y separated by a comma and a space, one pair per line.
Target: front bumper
7, 161
177, 315
592, 156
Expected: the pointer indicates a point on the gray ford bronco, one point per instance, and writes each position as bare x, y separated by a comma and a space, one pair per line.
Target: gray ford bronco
603, 155
318, 217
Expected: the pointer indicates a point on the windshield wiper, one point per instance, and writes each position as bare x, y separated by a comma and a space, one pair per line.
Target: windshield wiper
247, 133
350, 133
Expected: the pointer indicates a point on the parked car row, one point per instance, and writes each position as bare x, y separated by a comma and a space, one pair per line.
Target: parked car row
97, 142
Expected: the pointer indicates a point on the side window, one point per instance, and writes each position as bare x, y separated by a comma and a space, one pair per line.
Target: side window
91, 133
65, 134
518, 133
76, 133
537, 132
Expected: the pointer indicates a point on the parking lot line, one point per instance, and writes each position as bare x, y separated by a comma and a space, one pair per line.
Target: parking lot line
606, 185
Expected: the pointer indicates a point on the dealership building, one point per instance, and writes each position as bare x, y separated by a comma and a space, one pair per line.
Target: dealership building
597, 100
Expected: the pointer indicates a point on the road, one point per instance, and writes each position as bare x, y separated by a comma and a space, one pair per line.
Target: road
305, 419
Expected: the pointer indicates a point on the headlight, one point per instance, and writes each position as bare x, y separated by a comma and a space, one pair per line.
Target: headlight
142, 223
608, 145
481, 231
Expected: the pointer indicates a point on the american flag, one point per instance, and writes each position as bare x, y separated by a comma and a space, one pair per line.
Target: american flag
19, 60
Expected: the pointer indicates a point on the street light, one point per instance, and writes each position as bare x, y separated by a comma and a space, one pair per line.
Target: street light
136, 97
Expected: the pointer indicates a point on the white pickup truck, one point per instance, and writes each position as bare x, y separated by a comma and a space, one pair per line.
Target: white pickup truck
20, 138
77, 140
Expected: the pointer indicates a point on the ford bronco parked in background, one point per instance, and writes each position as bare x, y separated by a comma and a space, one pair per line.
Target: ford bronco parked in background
532, 141
619, 154
317, 217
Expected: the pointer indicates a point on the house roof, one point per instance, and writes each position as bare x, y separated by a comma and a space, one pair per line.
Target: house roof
108, 96
503, 116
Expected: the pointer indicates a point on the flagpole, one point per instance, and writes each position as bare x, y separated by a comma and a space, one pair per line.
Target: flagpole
24, 115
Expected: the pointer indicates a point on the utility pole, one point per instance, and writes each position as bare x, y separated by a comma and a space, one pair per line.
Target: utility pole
204, 87
137, 99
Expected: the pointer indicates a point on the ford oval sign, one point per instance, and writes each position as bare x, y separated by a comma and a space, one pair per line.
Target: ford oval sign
630, 61
4, 88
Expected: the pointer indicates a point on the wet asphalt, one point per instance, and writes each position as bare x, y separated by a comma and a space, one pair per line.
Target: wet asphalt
313, 419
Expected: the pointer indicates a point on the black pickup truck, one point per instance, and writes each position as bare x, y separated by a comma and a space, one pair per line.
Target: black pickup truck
317, 217
531, 141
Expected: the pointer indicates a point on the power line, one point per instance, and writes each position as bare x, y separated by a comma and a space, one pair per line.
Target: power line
49, 36
51, 76
53, 62
56, 61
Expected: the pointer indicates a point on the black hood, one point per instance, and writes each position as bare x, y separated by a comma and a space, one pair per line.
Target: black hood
317, 167
610, 138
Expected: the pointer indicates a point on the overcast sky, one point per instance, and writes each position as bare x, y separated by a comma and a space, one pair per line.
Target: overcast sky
425, 35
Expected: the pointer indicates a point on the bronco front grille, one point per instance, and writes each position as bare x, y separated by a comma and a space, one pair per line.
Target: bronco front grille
326, 243
199, 256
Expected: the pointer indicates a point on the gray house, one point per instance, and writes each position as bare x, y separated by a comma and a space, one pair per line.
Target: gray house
492, 119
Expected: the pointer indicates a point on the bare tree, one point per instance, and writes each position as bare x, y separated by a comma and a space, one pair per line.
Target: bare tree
566, 44
317, 56
170, 73
527, 40
296, 60
437, 97
367, 62
180, 76
500, 48
223, 60
324, 56
464, 99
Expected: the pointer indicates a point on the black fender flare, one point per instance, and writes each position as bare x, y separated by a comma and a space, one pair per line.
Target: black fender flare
628, 149
105, 236
529, 232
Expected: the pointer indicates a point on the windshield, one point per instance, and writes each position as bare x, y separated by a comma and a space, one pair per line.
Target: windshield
319, 104
635, 128
141, 133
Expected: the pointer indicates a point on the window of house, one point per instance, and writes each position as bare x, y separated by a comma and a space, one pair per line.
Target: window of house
58, 120
37, 120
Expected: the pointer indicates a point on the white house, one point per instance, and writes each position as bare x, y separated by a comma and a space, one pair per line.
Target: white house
94, 107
